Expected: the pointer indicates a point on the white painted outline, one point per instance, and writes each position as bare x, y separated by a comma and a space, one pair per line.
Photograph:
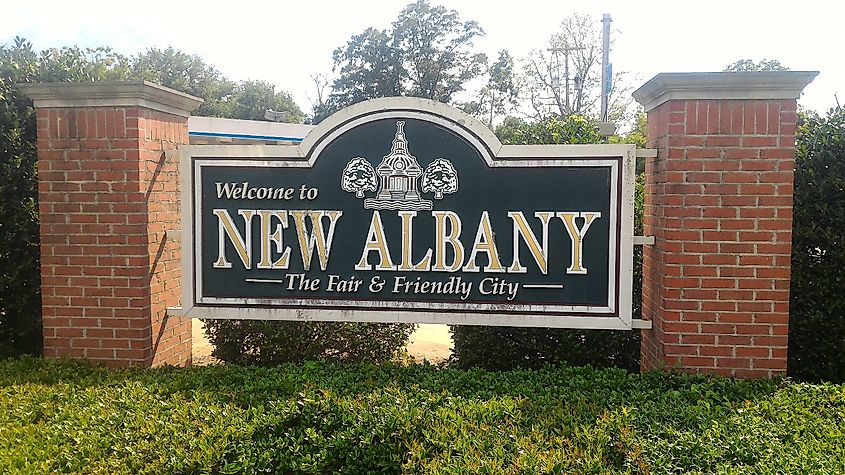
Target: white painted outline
494, 154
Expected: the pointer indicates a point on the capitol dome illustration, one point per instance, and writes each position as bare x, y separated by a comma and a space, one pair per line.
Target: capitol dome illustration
398, 175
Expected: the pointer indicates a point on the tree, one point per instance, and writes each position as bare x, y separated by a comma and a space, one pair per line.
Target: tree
436, 50
501, 93
749, 65
546, 90
20, 279
222, 97
358, 177
72, 63
427, 52
186, 73
440, 177
637, 136
369, 67
251, 99
318, 102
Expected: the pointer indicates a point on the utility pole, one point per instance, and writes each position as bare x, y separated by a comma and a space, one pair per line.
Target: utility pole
605, 73
565, 50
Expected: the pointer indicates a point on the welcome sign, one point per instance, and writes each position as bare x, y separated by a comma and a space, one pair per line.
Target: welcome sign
408, 210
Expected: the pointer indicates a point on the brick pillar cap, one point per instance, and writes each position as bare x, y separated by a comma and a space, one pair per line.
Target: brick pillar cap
728, 85
111, 94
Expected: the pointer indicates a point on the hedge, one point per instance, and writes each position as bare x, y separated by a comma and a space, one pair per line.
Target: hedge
63, 417
277, 342
817, 290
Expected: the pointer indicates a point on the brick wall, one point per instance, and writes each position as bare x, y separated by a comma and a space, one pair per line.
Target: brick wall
107, 196
719, 203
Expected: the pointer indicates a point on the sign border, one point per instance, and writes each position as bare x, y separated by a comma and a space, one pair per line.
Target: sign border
619, 157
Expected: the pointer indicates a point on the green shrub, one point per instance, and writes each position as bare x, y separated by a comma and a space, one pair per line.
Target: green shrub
274, 342
20, 276
511, 347
20, 279
65, 417
817, 303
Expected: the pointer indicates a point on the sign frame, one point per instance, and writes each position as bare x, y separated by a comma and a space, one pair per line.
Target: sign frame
621, 158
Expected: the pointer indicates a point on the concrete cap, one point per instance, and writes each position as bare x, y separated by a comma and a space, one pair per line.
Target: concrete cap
111, 94
726, 85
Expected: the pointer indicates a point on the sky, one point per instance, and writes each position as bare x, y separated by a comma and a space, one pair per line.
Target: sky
285, 42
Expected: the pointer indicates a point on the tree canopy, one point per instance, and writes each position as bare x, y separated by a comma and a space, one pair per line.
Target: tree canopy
427, 52
169, 67
500, 95
750, 65
545, 90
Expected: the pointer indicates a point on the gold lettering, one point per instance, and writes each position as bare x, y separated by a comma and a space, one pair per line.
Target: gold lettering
319, 238
276, 238
242, 244
577, 236
376, 241
407, 245
538, 251
444, 239
485, 243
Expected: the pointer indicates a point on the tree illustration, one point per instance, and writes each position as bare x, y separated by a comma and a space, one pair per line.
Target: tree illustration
440, 177
358, 177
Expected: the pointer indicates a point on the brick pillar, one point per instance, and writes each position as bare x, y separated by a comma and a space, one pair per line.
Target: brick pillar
719, 204
107, 195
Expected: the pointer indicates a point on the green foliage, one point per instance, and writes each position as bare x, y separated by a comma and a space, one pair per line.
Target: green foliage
817, 306
501, 93
20, 301
743, 65
276, 342
369, 68
20, 280
637, 136
427, 52
436, 49
552, 130
251, 99
222, 97
64, 417
509, 347
71, 63
186, 73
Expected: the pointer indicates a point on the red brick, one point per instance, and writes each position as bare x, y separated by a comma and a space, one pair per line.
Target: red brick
733, 340
716, 351
753, 351
725, 362
760, 141
769, 363
758, 165
85, 230
689, 361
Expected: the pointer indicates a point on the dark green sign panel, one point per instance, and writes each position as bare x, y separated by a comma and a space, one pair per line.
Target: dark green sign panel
405, 210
